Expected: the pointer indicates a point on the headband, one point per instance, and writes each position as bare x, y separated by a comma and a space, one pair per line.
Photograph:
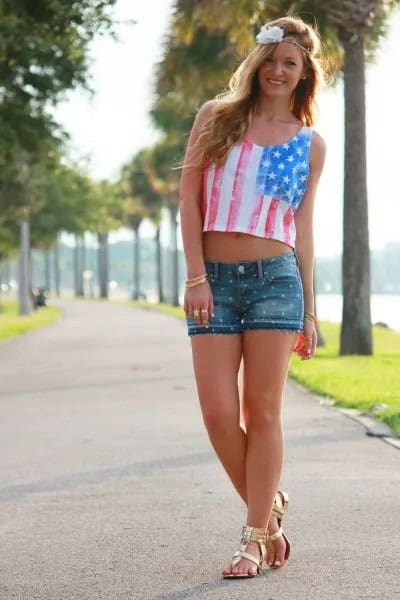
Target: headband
274, 35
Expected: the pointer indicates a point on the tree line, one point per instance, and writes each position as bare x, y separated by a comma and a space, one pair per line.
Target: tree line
44, 53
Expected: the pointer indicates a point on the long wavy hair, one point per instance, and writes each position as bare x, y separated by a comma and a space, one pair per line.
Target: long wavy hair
234, 109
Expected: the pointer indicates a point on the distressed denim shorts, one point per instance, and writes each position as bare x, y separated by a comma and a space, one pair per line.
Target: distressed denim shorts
261, 294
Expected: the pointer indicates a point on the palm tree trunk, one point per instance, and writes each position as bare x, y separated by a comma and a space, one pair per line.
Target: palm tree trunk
356, 335
103, 264
159, 265
173, 213
78, 266
24, 293
82, 261
56, 265
136, 263
46, 257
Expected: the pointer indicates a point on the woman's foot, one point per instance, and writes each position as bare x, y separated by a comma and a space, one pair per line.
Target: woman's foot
245, 566
247, 561
277, 548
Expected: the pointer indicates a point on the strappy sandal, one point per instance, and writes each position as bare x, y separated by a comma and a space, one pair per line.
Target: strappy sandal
281, 504
249, 534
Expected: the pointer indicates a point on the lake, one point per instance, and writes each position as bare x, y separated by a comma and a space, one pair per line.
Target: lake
384, 307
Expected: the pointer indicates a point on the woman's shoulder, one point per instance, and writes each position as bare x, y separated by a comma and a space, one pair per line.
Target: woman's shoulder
317, 139
206, 109
317, 150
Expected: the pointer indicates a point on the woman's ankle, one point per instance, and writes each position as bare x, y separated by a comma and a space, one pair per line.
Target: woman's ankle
273, 525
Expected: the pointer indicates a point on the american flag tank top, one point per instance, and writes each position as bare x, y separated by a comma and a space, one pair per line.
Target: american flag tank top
258, 189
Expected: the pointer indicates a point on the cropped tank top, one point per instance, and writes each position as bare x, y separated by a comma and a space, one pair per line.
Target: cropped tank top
258, 188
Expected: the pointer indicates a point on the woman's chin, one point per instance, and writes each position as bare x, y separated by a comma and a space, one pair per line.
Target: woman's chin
275, 92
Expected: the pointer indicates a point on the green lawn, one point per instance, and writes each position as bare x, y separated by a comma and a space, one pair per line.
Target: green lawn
350, 381
12, 324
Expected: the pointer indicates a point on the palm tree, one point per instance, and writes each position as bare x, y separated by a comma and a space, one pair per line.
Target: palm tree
56, 266
139, 202
144, 200
154, 205
135, 219
109, 215
357, 25
160, 164
156, 220
8, 249
103, 263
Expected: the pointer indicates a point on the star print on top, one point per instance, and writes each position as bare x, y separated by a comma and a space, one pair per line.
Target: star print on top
258, 189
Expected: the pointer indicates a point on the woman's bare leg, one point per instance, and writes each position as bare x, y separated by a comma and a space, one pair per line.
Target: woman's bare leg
219, 400
216, 360
266, 356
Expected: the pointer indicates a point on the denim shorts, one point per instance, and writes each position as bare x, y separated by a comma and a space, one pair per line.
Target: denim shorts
261, 294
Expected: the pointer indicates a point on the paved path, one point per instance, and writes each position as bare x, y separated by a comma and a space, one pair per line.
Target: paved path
109, 488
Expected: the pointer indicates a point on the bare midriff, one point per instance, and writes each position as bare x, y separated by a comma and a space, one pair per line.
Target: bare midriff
226, 246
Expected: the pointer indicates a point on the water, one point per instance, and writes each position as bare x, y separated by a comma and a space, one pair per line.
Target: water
384, 307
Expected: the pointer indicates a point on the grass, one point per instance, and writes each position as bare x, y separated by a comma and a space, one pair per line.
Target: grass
350, 381
174, 311
356, 381
11, 323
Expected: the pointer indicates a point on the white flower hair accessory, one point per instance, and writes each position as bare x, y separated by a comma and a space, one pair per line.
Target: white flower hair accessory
270, 35
275, 34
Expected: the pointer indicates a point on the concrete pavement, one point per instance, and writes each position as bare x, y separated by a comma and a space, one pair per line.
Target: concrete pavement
109, 488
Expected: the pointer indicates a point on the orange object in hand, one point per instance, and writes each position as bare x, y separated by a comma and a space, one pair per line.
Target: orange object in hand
300, 346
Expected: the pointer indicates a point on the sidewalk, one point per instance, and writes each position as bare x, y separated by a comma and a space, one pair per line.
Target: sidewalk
110, 490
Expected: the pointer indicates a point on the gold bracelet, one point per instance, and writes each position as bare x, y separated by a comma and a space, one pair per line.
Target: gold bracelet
194, 283
196, 278
312, 317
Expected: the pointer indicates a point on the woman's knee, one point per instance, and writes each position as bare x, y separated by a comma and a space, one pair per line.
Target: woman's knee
262, 414
219, 418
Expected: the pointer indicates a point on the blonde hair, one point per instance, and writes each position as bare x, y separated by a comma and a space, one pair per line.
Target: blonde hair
234, 109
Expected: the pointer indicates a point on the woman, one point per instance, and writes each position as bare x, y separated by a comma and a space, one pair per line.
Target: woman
247, 192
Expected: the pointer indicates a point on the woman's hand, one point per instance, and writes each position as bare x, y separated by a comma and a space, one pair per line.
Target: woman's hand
306, 341
199, 303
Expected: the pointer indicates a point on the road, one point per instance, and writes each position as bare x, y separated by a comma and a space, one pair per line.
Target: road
109, 487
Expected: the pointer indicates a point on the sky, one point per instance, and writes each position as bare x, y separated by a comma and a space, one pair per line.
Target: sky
108, 128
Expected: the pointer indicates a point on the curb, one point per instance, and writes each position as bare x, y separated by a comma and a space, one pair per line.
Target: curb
373, 427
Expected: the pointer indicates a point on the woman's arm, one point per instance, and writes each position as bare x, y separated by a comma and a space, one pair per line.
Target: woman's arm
190, 196
198, 302
304, 221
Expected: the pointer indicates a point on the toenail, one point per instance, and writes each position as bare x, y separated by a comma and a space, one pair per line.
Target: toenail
277, 562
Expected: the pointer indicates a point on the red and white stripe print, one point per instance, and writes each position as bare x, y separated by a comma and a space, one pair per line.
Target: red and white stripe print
233, 200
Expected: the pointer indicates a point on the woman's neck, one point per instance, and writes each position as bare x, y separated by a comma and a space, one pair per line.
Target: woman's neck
274, 109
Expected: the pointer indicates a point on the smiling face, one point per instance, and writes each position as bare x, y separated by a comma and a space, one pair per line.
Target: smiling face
282, 70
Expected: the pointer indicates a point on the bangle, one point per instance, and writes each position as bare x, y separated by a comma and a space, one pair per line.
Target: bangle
312, 317
198, 281
196, 278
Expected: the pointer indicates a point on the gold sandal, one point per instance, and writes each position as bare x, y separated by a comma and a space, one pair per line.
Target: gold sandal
281, 504
249, 534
